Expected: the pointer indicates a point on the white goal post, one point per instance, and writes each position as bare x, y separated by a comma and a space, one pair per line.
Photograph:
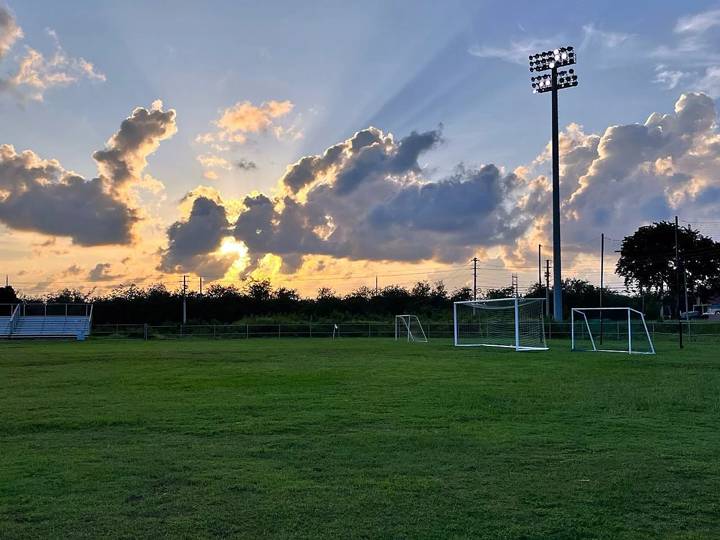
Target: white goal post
610, 329
409, 327
514, 323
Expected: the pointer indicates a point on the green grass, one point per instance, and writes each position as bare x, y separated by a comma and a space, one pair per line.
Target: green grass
356, 438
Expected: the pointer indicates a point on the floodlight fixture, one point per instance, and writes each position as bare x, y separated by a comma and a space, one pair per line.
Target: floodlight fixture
552, 82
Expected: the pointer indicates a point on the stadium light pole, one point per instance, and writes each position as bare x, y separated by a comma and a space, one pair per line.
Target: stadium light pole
552, 82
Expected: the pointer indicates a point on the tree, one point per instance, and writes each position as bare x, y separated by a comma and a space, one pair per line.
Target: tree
7, 295
647, 260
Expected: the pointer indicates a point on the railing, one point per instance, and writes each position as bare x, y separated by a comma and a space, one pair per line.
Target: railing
42, 309
14, 319
699, 330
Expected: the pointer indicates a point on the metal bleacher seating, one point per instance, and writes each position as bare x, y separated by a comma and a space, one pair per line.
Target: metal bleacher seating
45, 321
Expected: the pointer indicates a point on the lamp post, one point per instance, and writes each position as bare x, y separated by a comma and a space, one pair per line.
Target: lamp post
552, 82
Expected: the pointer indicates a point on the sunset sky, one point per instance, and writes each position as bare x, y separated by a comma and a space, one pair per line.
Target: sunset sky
326, 143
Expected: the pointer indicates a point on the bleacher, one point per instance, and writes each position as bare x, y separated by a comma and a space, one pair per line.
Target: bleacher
45, 321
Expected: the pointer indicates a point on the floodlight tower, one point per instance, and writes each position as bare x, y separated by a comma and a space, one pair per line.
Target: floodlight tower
552, 82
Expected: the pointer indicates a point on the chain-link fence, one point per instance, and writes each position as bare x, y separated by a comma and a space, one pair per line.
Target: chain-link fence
692, 330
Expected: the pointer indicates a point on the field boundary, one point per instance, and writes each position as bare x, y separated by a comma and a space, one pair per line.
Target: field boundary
701, 330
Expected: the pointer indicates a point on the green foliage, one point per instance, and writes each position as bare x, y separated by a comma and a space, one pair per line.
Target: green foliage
355, 438
647, 260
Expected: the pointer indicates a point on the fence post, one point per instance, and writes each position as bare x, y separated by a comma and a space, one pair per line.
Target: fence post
247, 331
369, 329
310, 328
145, 331
278, 330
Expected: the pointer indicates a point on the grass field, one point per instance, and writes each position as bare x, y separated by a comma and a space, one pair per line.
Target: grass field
355, 438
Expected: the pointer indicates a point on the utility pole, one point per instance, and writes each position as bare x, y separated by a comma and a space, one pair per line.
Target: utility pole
547, 288
677, 283
687, 307
556, 80
200, 285
540, 265
602, 280
184, 300
7, 280
474, 278
376, 284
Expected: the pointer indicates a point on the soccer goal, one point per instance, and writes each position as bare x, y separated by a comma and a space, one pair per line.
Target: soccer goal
610, 329
409, 327
515, 323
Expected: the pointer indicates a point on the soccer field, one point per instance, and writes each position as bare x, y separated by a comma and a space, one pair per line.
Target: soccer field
356, 438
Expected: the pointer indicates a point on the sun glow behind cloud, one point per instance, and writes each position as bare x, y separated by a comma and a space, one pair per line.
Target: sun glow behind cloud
232, 247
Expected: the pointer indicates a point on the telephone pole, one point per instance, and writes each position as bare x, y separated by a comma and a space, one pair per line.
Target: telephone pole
474, 278
602, 280
547, 288
201, 279
540, 265
184, 299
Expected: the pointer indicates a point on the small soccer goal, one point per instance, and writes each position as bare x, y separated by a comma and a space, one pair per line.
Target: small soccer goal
515, 323
610, 329
408, 327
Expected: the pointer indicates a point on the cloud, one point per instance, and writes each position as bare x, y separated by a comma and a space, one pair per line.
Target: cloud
72, 270
365, 199
192, 241
101, 272
698, 23
40, 195
709, 82
635, 173
10, 32
236, 122
125, 155
594, 36
245, 164
668, 78
36, 73
517, 52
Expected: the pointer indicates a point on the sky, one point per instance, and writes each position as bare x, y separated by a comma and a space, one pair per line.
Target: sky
324, 144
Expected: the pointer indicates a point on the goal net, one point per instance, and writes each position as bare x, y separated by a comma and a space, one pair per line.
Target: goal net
515, 323
619, 329
408, 327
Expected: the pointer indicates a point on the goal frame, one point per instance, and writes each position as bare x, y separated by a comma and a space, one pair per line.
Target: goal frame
517, 347
630, 311
406, 318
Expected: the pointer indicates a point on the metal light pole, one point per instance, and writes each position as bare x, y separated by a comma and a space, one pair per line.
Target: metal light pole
552, 82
